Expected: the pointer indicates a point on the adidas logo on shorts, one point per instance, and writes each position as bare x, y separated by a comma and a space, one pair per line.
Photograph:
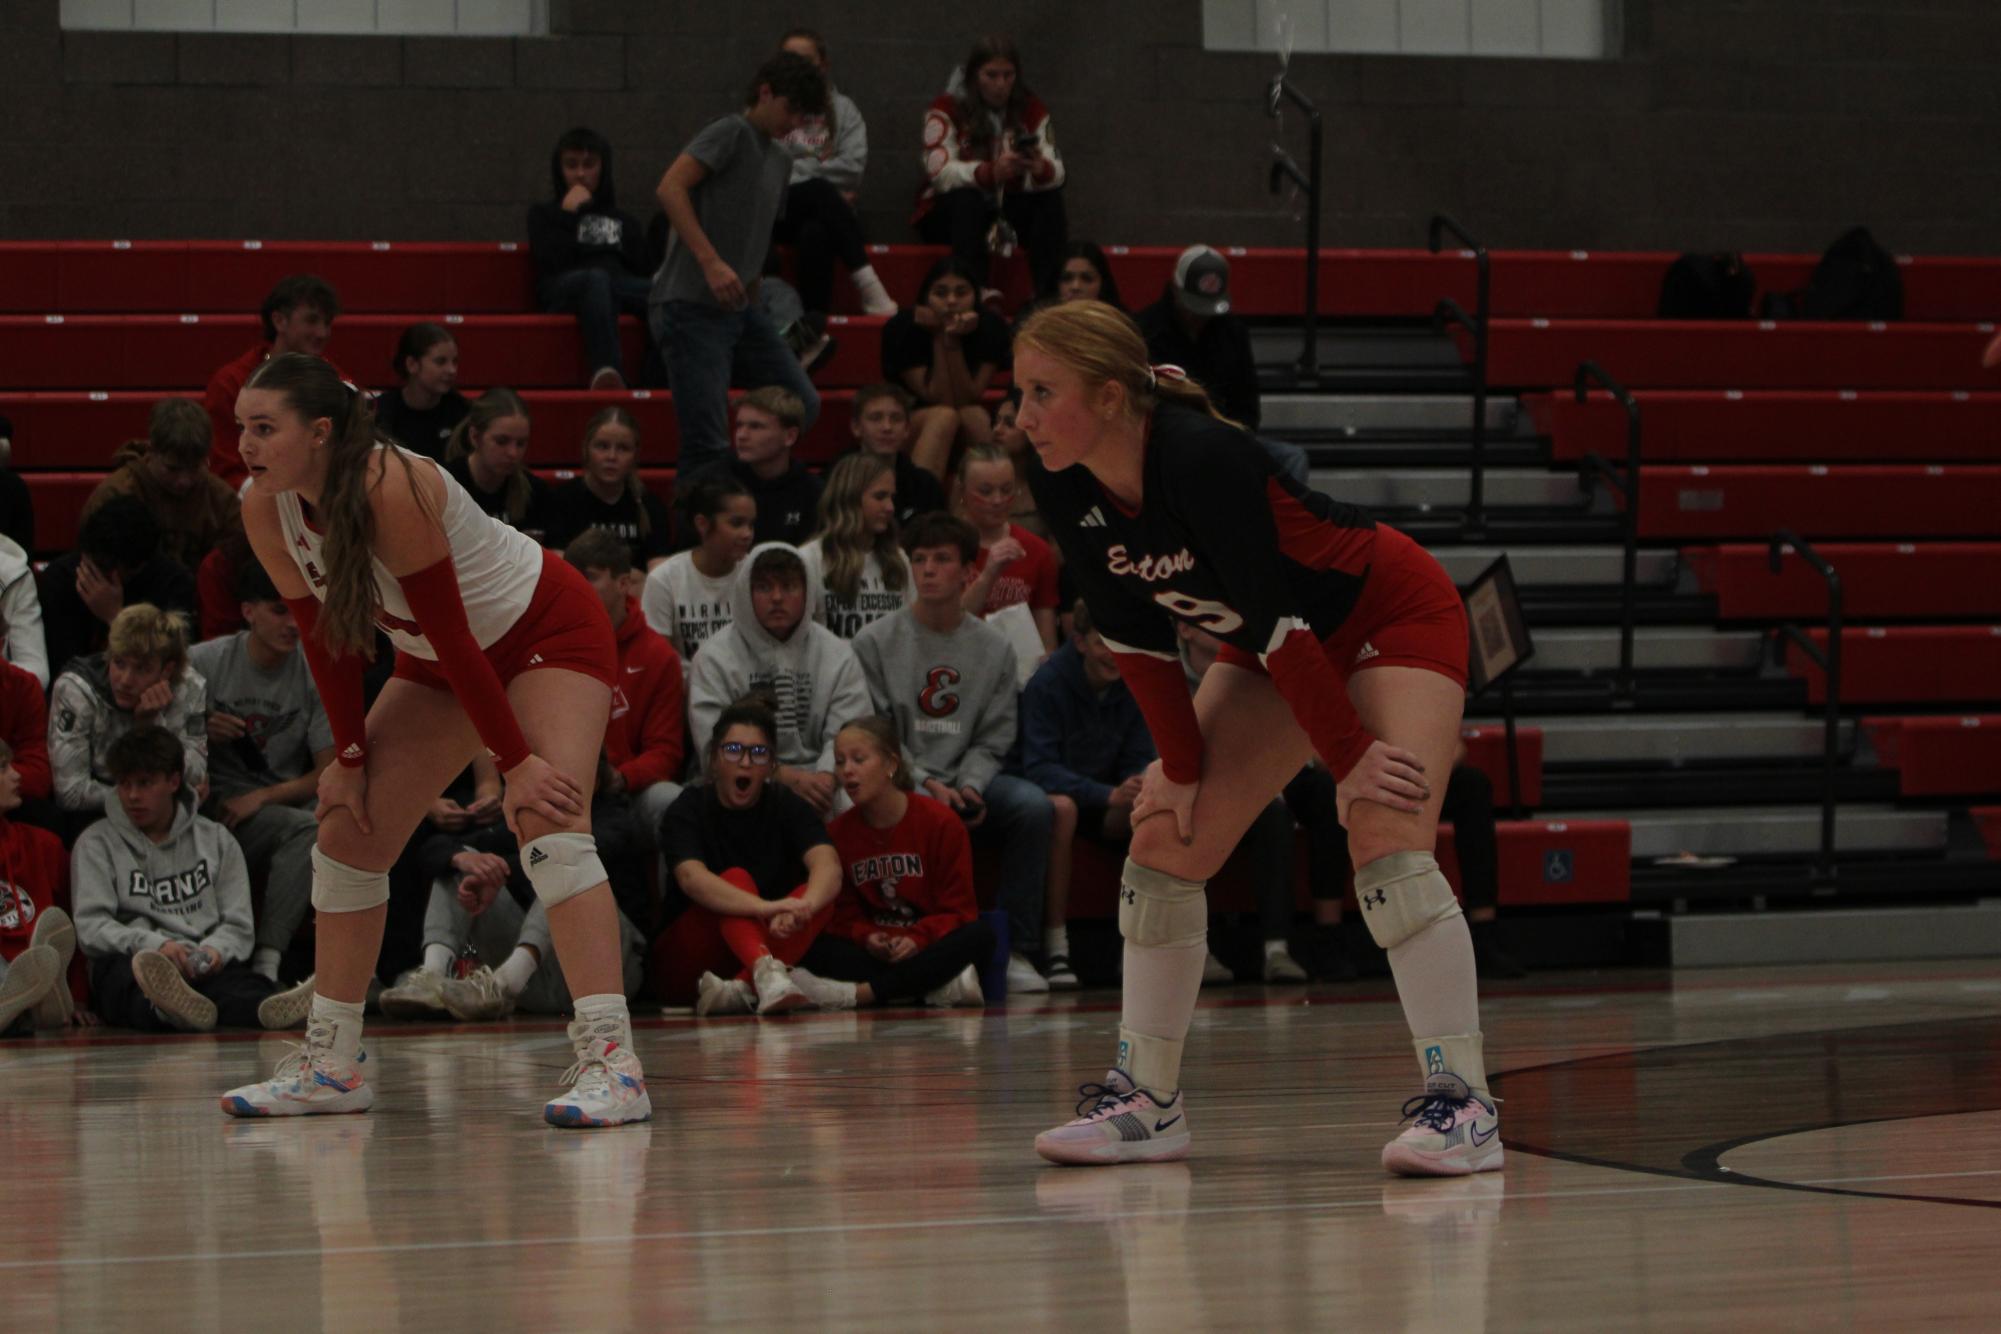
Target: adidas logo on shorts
536, 856
1366, 652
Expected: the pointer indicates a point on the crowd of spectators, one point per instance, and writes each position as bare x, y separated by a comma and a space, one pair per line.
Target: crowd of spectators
843, 699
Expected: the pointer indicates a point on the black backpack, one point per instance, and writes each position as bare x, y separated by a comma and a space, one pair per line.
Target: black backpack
1855, 280
1707, 287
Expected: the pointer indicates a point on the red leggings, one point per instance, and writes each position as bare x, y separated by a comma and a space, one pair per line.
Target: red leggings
700, 941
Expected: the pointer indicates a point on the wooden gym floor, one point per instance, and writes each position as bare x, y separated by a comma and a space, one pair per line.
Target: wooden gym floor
1807, 1147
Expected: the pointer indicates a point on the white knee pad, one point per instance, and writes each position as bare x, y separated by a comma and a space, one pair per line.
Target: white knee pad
562, 866
1402, 894
1159, 909
338, 887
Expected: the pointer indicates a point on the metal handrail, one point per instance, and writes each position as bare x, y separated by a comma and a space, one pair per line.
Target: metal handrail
1474, 523
1284, 168
1829, 662
1628, 488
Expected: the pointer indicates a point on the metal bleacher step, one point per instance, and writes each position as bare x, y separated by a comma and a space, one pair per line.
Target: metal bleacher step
1599, 788
1676, 740
1663, 648
1773, 831
1335, 415
1569, 566
1358, 346
1423, 489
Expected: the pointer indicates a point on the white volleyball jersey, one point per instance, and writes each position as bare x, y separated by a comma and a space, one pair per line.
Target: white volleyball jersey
498, 567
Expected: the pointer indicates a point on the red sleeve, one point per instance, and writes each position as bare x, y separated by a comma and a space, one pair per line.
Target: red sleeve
433, 594
28, 732
1160, 685
948, 875
215, 592
662, 725
339, 682
1300, 670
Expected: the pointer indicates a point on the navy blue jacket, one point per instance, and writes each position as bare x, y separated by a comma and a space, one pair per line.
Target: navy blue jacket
1076, 742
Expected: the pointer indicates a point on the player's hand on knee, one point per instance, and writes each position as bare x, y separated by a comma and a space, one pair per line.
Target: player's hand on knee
537, 786
1386, 774
344, 787
1161, 795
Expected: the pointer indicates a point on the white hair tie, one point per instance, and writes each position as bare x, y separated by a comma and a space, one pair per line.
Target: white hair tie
1165, 371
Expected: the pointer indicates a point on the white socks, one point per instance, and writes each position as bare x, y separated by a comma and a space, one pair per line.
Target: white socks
1162, 983
515, 974
438, 959
1441, 999
876, 299
345, 1016
264, 962
594, 1009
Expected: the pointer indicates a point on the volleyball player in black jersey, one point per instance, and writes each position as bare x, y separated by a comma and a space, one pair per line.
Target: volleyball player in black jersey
1343, 637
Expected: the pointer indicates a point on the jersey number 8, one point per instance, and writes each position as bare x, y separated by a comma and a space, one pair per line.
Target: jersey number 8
1214, 617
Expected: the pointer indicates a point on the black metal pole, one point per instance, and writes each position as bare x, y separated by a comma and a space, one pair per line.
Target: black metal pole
1283, 167
1829, 662
1515, 807
1474, 524
1629, 489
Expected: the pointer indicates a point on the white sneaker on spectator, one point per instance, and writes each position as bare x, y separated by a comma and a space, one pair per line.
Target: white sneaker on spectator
29, 980
1280, 966
776, 993
1216, 972
607, 377
477, 998
418, 994
715, 995
1023, 978
824, 992
287, 1008
55, 930
963, 990
173, 999
1062, 977
875, 298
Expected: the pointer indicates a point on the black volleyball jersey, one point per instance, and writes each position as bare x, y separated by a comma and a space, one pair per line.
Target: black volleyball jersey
1227, 542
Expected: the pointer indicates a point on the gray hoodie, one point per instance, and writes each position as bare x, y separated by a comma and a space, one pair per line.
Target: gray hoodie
133, 894
952, 697
814, 675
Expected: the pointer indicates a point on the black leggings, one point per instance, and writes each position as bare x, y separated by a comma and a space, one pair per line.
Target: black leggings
115, 995
916, 977
1469, 806
820, 227
960, 218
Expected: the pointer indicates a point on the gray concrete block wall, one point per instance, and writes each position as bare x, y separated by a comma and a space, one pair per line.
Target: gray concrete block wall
1744, 123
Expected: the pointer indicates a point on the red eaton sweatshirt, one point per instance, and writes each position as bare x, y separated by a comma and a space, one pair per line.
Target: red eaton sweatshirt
914, 880
24, 721
649, 724
34, 877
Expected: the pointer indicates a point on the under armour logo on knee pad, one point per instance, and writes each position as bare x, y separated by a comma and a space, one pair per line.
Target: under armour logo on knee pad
1375, 900
1128, 895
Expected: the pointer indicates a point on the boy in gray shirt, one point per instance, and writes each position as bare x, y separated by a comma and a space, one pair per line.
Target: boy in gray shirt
268, 739
721, 196
947, 679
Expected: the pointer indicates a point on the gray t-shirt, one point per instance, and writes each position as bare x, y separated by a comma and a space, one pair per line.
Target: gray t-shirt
281, 708
737, 205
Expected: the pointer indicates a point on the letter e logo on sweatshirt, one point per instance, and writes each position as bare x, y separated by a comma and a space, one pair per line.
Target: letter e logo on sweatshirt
937, 698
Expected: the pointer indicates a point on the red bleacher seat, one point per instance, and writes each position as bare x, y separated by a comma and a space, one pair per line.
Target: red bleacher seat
1901, 580
1907, 664
1717, 354
1956, 755
58, 500
1988, 820
1546, 863
1487, 751
1909, 500
1727, 426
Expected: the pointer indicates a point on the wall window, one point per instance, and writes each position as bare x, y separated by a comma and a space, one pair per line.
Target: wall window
1538, 29
438, 18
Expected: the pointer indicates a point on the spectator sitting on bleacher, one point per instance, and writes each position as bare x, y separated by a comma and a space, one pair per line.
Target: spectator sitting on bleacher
775, 648
590, 255
947, 679
21, 639
17, 506
141, 679
768, 423
34, 914
907, 925
163, 903
1085, 275
268, 741
1191, 327
488, 456
645, 743
687, 597
989, 147
754, 878
298, 316
1085, 743
829, 153
945, 350
117, 563
169, 472
24, 726
1014, 565
608, 494
422, 411
881, 425
722, 196
857, 557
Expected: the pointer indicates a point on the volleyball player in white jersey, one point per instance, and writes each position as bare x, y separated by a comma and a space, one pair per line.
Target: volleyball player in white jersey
499, 644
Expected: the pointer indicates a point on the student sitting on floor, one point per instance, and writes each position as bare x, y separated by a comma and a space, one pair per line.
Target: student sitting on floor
37, 940
163, 905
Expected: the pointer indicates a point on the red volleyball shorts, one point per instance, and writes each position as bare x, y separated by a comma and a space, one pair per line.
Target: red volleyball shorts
1409, 615
564, 625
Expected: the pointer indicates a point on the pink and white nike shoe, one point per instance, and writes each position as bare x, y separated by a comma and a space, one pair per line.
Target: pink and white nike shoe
1454, 1132
1118, 1122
